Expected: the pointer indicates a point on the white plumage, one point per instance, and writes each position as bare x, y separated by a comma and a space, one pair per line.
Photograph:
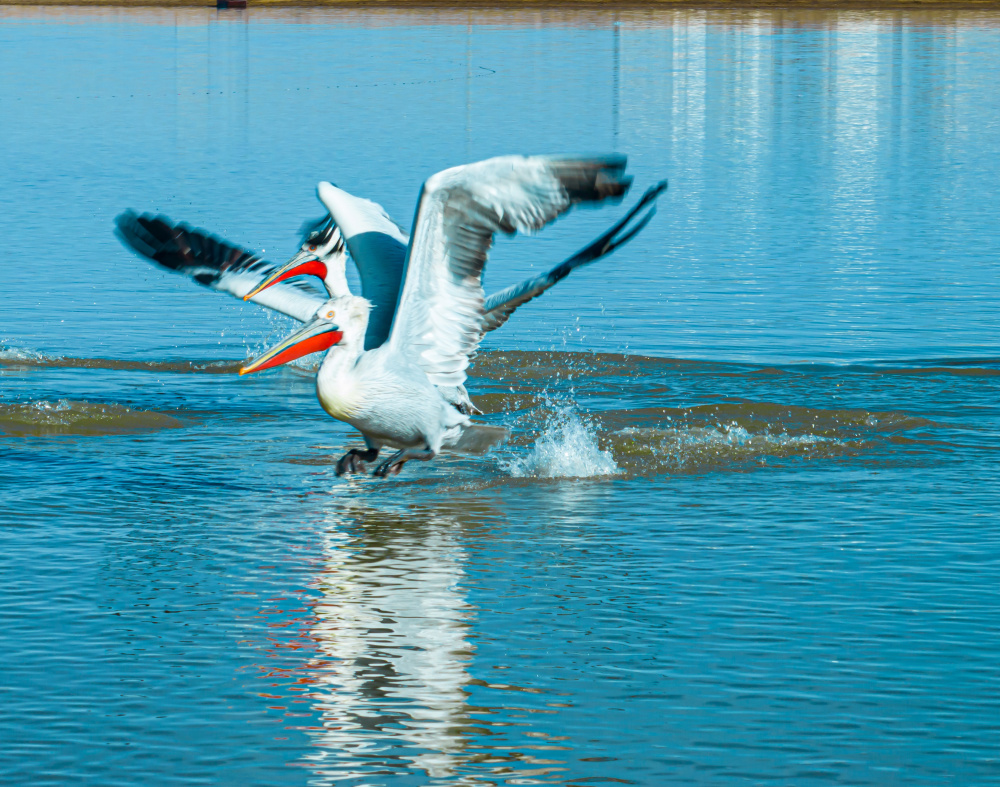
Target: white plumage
393, 394
398, 359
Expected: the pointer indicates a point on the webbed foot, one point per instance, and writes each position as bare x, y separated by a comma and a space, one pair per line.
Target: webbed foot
394, 463
388, 468
354, 460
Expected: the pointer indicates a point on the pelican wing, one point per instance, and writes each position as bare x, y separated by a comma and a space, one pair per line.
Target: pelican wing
501, 305
378, 247
214, 263
441, 307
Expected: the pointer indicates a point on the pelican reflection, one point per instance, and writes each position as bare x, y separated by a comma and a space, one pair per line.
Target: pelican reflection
391, 628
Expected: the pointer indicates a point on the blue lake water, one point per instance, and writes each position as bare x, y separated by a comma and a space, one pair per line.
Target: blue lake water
746, 528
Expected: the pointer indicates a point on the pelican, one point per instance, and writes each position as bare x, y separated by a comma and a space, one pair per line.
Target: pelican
378, 247
374, 241
392, 393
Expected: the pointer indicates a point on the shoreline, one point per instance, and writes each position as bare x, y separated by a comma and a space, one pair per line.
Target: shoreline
552, 5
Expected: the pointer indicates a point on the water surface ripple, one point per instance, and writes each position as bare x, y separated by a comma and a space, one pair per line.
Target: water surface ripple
745, 529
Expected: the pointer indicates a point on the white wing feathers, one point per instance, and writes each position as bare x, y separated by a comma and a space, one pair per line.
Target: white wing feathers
356, 215
439, 319
378, 247
288, 299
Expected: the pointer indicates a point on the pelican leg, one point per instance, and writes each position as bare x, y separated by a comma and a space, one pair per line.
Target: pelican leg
394, 463
353, 461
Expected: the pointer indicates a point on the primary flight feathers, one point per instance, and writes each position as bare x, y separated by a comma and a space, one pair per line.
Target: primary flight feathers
214, 263
223, 266
441, 307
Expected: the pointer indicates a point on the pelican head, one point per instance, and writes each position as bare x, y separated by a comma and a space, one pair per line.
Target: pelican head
321, 254
341, 320
321, 333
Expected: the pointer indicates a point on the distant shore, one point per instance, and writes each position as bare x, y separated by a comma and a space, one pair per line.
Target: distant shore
534, 4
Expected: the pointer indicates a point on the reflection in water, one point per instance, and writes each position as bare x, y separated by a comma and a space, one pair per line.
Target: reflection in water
390, 636
212, 84
390, 644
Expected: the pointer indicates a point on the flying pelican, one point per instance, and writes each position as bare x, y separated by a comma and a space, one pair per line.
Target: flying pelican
391, 393
376, 244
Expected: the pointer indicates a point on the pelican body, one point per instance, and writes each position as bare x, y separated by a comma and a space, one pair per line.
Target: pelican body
396, 358
393, 393
378, 246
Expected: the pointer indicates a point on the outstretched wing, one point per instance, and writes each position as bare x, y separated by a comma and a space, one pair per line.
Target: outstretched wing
440, 314
213, 262
378, 247
501, 305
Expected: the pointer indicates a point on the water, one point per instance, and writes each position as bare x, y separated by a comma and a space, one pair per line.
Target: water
745, 529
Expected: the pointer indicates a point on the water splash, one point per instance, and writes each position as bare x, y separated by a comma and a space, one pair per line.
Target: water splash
567, 448
307, 364
736, 439
10, 352
44, 407
694, 448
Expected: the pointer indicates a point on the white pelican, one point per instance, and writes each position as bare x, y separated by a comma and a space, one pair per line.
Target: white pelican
378, 247
376, 244
391, 393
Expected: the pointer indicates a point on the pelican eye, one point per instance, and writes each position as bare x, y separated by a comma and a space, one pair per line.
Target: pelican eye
330, 313
312, 248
